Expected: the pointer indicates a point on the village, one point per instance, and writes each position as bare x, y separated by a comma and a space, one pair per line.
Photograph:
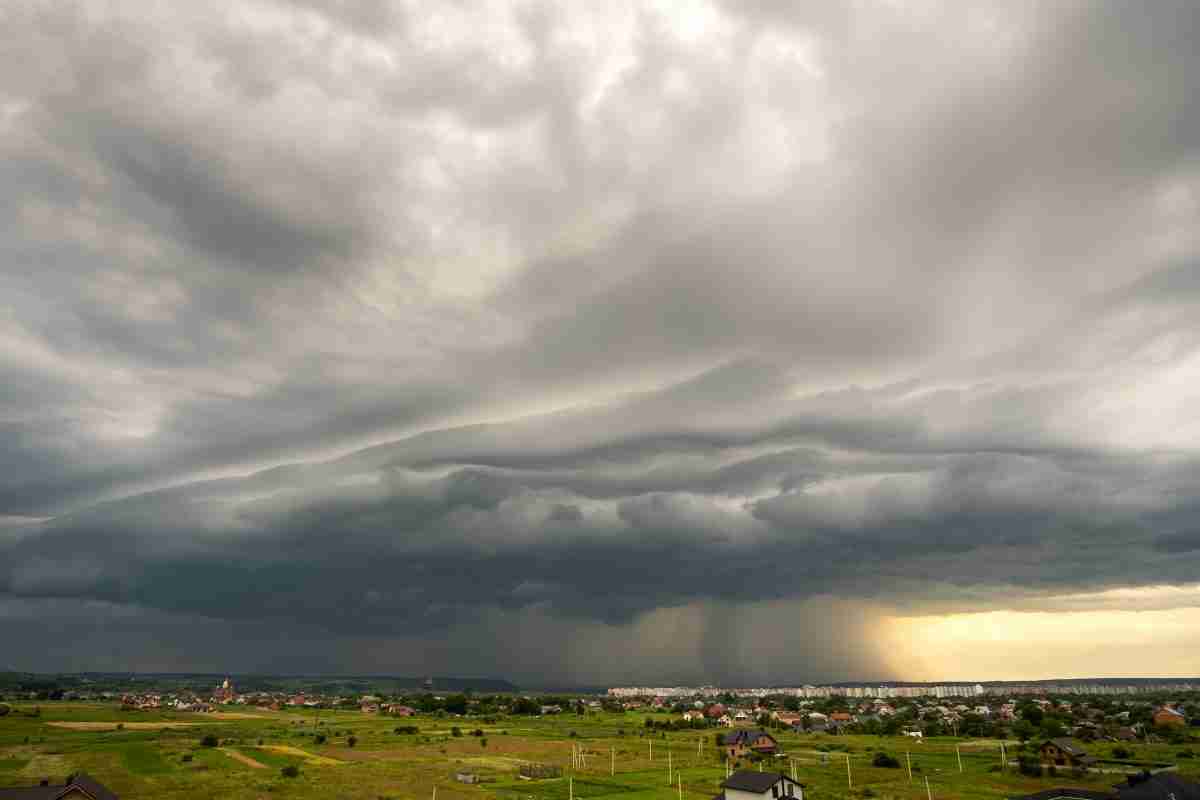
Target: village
512, 746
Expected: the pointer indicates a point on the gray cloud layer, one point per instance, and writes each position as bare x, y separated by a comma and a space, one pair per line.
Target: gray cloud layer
406, 334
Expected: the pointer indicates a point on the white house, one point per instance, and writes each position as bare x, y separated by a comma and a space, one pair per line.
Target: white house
749, 785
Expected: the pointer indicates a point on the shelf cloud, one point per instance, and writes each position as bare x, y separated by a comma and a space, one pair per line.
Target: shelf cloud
395, 337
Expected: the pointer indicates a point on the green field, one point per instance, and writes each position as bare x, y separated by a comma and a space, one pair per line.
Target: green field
149, 757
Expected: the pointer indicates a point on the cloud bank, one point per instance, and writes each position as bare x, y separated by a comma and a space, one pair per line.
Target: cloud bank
406, 337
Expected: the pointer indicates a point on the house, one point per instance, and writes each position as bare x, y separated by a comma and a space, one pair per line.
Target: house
77, 787
749, 785
841, 717
689, 716
369, 708
1126, 734
715, 711
739, 743
1063, 753
397, 710
1168, 717
1159, 786
1143, 786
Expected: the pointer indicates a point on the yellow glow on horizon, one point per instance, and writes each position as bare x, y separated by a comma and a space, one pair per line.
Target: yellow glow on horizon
1029, 645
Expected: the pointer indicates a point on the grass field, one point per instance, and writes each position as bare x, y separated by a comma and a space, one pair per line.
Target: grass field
159, 755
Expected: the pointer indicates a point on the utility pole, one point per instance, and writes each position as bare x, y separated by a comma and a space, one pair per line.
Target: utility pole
571, 785
651, 749
680, 787
928, 793
909, 757
613, 769
849, 780
1003, 757
669, 781
958, 752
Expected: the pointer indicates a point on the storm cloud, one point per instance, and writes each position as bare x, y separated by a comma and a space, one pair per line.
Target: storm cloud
501, 337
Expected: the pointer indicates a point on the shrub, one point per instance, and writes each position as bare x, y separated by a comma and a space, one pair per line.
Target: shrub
187, 757
318, 739
1122, 752
209, 741
290, 771
407, 729
477, 732
885, 760
120, 726
483, 742
351, 741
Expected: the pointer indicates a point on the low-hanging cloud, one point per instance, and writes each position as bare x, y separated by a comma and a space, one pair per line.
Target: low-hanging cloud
547, 331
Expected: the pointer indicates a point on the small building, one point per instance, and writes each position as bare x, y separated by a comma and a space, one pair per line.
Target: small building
1167, 717
1064, 753
750, 785
77, 787
739, 743
1143, 786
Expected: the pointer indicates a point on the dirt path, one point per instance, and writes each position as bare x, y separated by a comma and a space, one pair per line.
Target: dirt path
242, 757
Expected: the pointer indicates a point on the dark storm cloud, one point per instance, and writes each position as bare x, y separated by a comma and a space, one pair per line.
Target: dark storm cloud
401, 329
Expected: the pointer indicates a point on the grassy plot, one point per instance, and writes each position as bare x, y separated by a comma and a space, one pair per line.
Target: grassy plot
154, 762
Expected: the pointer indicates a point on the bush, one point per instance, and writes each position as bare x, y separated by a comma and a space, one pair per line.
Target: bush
407, 729
351, 741
885, 760
477, 732
120, 726
209, 741
290, 771
186, 757
483, 742
456, 731
318, 739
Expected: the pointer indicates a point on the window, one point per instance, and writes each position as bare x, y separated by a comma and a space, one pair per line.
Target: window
775, 790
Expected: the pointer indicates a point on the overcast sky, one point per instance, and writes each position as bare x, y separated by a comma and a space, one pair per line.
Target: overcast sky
600, 342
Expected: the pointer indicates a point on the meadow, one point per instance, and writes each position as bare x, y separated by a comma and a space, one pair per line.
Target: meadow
162, 754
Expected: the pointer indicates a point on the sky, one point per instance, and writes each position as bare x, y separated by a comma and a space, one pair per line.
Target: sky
601, 343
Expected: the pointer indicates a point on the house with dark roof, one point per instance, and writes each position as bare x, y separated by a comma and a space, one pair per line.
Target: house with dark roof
739, 743
750, 785
1143, 786
1064, 753
77, 787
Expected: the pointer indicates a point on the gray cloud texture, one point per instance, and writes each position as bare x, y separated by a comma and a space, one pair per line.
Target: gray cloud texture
504, 337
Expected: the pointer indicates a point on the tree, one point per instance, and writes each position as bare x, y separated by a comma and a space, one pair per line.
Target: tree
456, 704
884, 760
1032, 713
456, 731
290, 771
1023, 730
208, 741
351, 741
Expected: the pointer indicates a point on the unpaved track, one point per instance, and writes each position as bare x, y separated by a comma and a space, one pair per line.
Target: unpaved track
242, 757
